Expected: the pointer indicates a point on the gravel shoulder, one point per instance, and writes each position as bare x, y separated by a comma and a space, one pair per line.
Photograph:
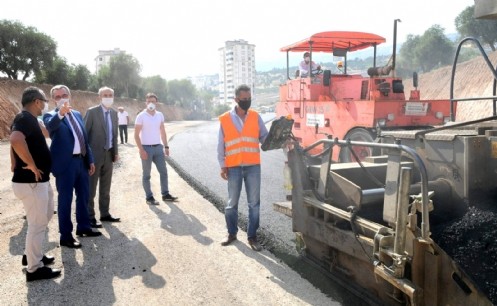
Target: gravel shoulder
167, 254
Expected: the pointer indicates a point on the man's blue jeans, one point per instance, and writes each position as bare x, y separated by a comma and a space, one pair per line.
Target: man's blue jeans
155, 155
251, 175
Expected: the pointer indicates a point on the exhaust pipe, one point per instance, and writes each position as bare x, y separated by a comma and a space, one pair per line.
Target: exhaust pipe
394, 43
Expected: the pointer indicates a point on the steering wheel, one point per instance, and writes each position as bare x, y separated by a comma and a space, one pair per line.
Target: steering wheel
315, 72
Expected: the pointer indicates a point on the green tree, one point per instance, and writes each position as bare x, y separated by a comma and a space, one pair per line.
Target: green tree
426, 52
157, 85
136, 91
435, 49
24, 50
102, 78
181, 93
80, 77
221, 109
205, 97
93, 85
483, 30
59, 72
407, 62
124, 74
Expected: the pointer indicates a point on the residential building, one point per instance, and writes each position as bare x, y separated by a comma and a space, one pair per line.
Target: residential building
104, 57
237, 66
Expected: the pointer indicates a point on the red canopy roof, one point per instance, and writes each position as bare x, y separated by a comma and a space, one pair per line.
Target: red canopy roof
328, 41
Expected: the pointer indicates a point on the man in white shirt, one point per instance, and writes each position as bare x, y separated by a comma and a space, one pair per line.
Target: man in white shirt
123, 121
149, 131
307, 65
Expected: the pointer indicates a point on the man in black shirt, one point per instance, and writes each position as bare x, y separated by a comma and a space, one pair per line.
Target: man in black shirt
30, 181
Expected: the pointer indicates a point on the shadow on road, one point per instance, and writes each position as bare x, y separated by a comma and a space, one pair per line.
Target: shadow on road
89, 273
178, 223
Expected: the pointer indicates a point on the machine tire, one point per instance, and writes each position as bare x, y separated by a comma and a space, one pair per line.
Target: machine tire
358, 134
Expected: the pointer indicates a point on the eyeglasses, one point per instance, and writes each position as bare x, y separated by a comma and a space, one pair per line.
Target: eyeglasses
41, 99
64, 96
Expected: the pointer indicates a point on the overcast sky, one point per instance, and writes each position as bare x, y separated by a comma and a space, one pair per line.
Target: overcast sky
180, 38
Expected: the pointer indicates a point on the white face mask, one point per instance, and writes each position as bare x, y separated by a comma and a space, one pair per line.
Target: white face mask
61, 102
107, 102
151, 106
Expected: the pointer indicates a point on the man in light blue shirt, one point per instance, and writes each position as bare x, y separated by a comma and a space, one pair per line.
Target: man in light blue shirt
239, 159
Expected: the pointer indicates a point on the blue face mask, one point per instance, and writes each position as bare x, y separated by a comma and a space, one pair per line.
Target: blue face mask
245, 104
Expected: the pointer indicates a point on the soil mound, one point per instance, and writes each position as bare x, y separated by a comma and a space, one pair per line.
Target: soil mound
11, 93
472, 79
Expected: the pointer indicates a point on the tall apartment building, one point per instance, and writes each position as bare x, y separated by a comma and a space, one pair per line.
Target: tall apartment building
104, 57
237, 66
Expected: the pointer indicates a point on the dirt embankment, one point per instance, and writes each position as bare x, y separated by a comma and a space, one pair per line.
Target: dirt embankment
11, 93
472, 79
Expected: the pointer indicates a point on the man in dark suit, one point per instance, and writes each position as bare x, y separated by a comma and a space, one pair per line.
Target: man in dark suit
72, 164
101, 126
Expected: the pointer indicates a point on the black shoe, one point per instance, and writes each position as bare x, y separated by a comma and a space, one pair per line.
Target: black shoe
95, 224
169, 198
88, 233
152, 201
110, 219
229, 240
42, 273
254, 244
73, 244
47, 260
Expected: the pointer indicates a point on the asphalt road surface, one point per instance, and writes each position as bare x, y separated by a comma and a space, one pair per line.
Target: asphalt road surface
195, 150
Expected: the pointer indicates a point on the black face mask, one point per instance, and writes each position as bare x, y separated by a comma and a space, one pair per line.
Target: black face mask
245, 104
